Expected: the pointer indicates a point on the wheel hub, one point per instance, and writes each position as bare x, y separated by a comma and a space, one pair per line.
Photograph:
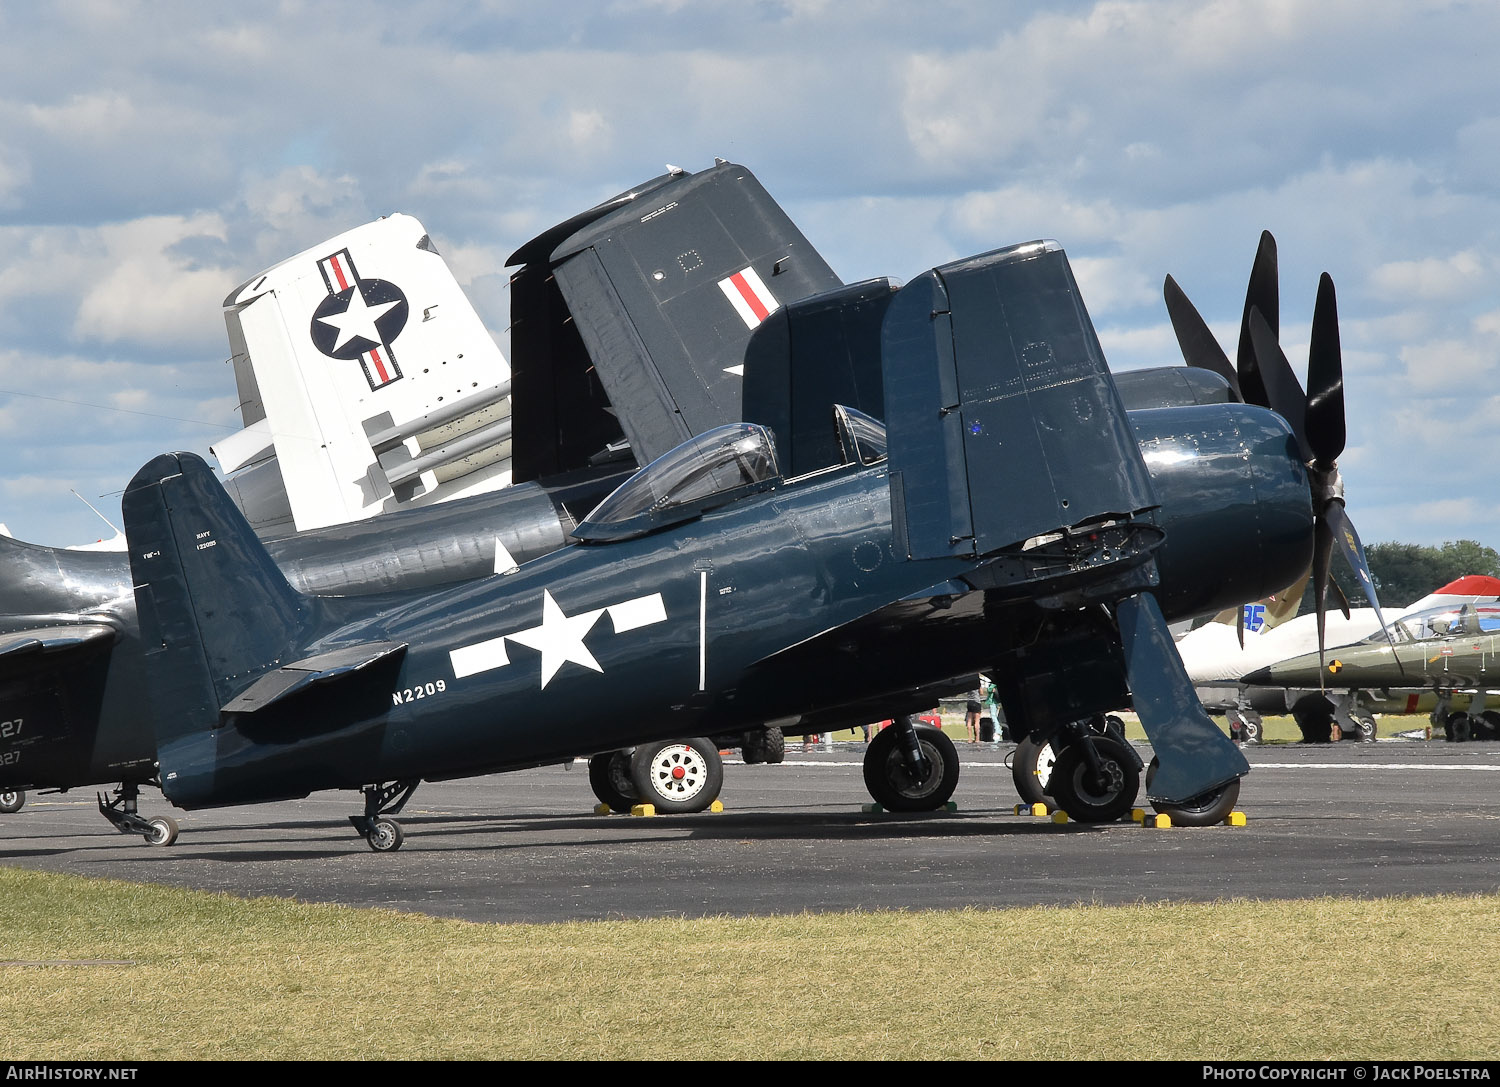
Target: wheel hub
678, 773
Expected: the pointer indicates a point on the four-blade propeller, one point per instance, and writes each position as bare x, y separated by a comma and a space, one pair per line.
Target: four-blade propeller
1262, 376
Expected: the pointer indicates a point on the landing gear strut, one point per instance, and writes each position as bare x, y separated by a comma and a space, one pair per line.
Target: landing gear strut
122, 813
1096, 777
911, 769
379, 832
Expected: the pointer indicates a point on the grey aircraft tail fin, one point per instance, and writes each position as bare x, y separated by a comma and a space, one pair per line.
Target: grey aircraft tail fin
230, 647
630, 321
215, 611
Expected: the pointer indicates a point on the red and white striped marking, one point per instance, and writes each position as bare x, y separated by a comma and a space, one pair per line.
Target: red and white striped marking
749, 296
338, 271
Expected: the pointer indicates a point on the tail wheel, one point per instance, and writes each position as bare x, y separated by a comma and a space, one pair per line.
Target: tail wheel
891, 783
678, 777
163, 830
1204, 810
1091, 797
12, 800
386, 835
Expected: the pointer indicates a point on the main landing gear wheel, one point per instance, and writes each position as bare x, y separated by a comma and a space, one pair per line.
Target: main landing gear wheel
1314, 716
609, 777
1031, 768
766, 745
680, 777
163, 830
12, 801
890, 780
1204, 810
1095, 797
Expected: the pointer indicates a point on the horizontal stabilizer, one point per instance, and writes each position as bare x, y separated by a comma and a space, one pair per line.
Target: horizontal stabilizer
56, 639
299, 675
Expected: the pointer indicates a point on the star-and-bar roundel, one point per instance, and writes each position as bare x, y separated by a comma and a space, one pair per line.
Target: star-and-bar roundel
359, 319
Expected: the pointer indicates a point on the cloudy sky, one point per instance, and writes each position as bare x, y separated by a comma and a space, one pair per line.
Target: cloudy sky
155, 155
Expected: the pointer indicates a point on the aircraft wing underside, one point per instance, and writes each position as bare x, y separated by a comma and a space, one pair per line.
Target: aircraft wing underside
862, 651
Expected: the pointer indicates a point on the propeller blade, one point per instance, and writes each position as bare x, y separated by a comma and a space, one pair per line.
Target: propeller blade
1322, 554
1264, 294
1325, 379
1199, 348
1343, 533
1285, 395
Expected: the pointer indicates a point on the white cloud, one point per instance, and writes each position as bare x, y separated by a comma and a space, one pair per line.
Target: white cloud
1434, 278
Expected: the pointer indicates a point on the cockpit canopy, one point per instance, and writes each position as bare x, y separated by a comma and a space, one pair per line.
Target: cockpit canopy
1444, 622
704, 472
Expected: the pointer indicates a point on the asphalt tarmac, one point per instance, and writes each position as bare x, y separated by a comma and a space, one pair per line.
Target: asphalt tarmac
1352, 819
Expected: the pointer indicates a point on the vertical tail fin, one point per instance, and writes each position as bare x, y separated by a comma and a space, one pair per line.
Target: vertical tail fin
215, 611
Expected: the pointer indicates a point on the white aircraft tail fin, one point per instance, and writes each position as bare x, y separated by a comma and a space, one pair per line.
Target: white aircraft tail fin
367, 382
1269, 613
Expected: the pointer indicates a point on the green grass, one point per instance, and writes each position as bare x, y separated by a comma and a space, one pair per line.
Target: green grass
219, 977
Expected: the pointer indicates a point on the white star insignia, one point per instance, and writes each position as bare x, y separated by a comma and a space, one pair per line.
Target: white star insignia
560, 638
358, 320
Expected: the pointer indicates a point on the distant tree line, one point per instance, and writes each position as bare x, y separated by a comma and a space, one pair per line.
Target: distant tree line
1406, 572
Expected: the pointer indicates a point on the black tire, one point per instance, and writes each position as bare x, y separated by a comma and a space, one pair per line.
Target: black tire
678, 777
1457, 727
386, 835
163, 831
753, 747
1314, 716
1204, 810
774, 746
1090, 801
890, 784
1364, 726
609, 777
12, 801
1490, 724
1030, 769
